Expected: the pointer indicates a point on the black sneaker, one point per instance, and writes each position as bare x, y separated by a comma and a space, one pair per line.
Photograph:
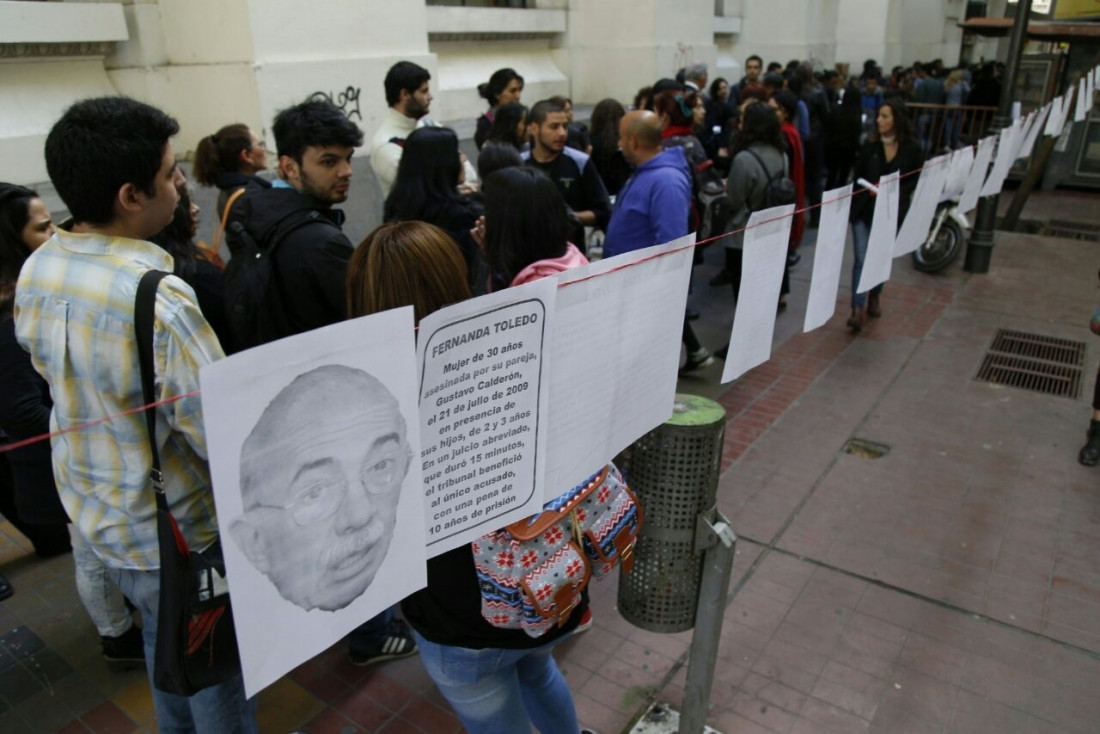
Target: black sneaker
398, 643
128, 647
697, 360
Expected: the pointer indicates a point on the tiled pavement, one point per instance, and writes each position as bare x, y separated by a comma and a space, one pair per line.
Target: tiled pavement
952, 585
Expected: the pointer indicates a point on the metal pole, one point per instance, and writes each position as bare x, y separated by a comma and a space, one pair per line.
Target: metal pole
979, 250
715, 534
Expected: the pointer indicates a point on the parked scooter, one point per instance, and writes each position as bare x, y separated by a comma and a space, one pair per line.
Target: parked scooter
945, 239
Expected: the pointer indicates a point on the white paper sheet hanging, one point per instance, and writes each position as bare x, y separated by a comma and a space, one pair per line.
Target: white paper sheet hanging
613, 357
484, 411
977, 176
832, 235
1036, 128
314, 445
1006, 156
961, 162
765, 253
884, 230
1053, 128
918, 220
1081, 111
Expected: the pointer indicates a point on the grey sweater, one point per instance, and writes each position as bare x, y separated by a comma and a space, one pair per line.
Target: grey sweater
746, 184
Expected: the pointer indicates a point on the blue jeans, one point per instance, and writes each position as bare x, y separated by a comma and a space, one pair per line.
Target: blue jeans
494, 691
861, 232
100, 596
220, 709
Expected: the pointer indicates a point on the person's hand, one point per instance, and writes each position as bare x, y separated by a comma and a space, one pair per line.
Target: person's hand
478, 233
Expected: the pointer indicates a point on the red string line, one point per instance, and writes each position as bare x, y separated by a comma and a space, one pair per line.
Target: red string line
167, 401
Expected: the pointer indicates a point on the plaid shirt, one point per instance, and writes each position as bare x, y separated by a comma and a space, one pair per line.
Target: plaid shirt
74, 313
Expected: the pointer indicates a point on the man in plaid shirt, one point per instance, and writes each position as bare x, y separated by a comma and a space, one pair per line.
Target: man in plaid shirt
112, 163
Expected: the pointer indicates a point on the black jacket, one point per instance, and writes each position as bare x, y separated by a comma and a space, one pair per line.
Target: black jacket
310, 263
871, 165
25, 412
230, 181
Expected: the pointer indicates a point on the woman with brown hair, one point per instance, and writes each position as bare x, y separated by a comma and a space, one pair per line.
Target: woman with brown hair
230, 160
496, 680
891, 148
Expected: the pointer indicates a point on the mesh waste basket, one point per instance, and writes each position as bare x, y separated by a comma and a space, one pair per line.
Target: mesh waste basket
674, 471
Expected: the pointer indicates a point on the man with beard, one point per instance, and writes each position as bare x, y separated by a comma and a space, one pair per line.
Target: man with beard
573, 171
409, 96
315, 142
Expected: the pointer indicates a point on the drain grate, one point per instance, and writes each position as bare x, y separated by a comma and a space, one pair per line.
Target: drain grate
865, 449
1071, 230
1035, 362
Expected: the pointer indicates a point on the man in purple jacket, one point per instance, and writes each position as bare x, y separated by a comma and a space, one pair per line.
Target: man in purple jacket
654, 205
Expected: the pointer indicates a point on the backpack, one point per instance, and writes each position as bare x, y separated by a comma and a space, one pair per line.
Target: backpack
780, 190
532, 572
710, 206
253, 303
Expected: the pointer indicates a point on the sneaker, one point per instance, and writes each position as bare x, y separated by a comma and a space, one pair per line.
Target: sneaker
697, 360
129, 647
586, 622
398, 643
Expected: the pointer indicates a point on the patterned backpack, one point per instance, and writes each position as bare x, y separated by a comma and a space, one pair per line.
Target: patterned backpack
532, 572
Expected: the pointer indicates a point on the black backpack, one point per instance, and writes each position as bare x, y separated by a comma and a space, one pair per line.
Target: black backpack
780, 190
253, 293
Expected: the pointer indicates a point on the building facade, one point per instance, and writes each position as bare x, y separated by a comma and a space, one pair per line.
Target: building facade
210, 62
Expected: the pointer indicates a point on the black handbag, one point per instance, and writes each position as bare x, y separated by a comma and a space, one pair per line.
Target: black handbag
196, 641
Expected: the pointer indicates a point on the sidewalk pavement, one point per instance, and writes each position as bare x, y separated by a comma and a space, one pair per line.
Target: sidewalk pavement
952, 585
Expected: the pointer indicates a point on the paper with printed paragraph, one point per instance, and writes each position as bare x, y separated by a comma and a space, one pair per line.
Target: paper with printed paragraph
961, 162
1007, 146
313, 443
832, 235
884, 230
977, 176
484, 387
764, 256
918, 220
613, 357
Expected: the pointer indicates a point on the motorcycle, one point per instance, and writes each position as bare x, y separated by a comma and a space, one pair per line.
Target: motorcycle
945, 239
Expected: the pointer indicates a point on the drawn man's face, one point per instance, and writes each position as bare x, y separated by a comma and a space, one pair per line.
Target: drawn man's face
320, 522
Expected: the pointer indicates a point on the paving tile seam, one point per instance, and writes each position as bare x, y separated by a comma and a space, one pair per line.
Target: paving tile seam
929, 599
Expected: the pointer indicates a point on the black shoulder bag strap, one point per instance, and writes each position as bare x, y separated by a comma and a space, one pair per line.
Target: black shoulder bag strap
144, 315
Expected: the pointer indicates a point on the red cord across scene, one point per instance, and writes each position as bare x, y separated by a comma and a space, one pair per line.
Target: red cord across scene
140, 409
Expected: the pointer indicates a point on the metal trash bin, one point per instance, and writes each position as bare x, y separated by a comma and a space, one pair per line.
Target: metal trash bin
674, 471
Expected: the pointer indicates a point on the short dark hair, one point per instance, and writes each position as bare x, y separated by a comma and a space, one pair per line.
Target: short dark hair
101, 144
526, 220
754, 57
542, 109
404, 75
789, 102
561, 99
773, 79
313, 123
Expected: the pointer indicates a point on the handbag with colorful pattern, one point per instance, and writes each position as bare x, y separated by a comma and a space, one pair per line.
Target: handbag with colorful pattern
532, 572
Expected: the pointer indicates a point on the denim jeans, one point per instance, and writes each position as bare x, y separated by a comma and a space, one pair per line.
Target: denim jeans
100, 596
861, 232
370, 635
494, 691
220, 709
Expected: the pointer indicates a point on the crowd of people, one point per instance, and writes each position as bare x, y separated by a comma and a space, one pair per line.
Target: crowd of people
691, 154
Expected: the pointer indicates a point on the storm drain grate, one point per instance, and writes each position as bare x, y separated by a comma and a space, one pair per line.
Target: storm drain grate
865, 449
1035, 362
1071, 230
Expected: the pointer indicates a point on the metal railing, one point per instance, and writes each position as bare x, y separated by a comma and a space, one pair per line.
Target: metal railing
940, 126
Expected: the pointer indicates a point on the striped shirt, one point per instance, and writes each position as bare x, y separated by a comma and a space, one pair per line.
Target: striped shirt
74, 313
